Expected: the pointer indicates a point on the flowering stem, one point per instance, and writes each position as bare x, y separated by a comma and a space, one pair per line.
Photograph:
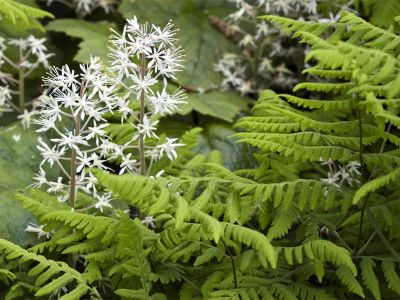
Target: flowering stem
21, 89
72, 186
141, 116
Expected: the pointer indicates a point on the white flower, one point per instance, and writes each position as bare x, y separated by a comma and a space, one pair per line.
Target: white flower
26, 118
38, 229
62, 198
142, 84
37, 45
247, 41
70, 140
57, 186
5, 95
169, 148
164, 103
96, 131
333, 179
16, 137
345, 176
128, 164
40, 179
165, 36
62, 78
50, 155
149, 222
158, 175
353, 167
147, 128
103, 201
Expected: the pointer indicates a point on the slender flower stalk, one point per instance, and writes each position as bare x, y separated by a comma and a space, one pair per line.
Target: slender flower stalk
141, 117
32, 53
21, 84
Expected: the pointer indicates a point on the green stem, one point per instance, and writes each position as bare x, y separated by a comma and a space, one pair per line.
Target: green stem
360, 229
141, 116
72, 186
380, 234
21, 89
233, 264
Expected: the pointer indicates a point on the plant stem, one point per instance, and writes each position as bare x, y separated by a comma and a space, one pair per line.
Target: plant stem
233, 264
380, 234
363, 177
141, 116
21, 84
72, 186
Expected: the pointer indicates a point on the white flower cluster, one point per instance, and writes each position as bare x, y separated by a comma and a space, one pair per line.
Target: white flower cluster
29, 53
86, 7
82, 99
262, 61
341, 176
141, 57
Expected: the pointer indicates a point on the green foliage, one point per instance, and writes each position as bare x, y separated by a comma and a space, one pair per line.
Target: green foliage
20, 15
94, 36
381, 13
221, 105
203, 44
254, 218
45, 271
352, 115
18, 154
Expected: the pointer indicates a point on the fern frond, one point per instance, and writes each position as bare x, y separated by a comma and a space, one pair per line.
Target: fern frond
254, 239
45, 270
391, 276
22, 15
375, 184
369, 278
347, 278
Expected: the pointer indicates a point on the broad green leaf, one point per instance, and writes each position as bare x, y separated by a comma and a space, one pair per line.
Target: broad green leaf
94, 36
202, 42
221, 105
217, 137
19, 160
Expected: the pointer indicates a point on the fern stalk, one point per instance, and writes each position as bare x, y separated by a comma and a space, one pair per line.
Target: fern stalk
233, 264
363, 177
380, 234
141, 116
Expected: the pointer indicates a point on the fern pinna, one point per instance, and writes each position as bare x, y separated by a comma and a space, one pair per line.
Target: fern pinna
348, 121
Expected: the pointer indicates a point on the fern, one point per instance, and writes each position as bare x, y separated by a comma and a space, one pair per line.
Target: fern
45, 270
21, 15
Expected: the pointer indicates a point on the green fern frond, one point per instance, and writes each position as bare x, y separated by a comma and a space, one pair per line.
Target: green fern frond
369, 278
254, 239
347, 278
391, 276
45, 270
375, 184
21, 15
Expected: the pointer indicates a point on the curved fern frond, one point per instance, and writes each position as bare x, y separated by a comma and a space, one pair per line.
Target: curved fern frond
45, 271
21, 15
